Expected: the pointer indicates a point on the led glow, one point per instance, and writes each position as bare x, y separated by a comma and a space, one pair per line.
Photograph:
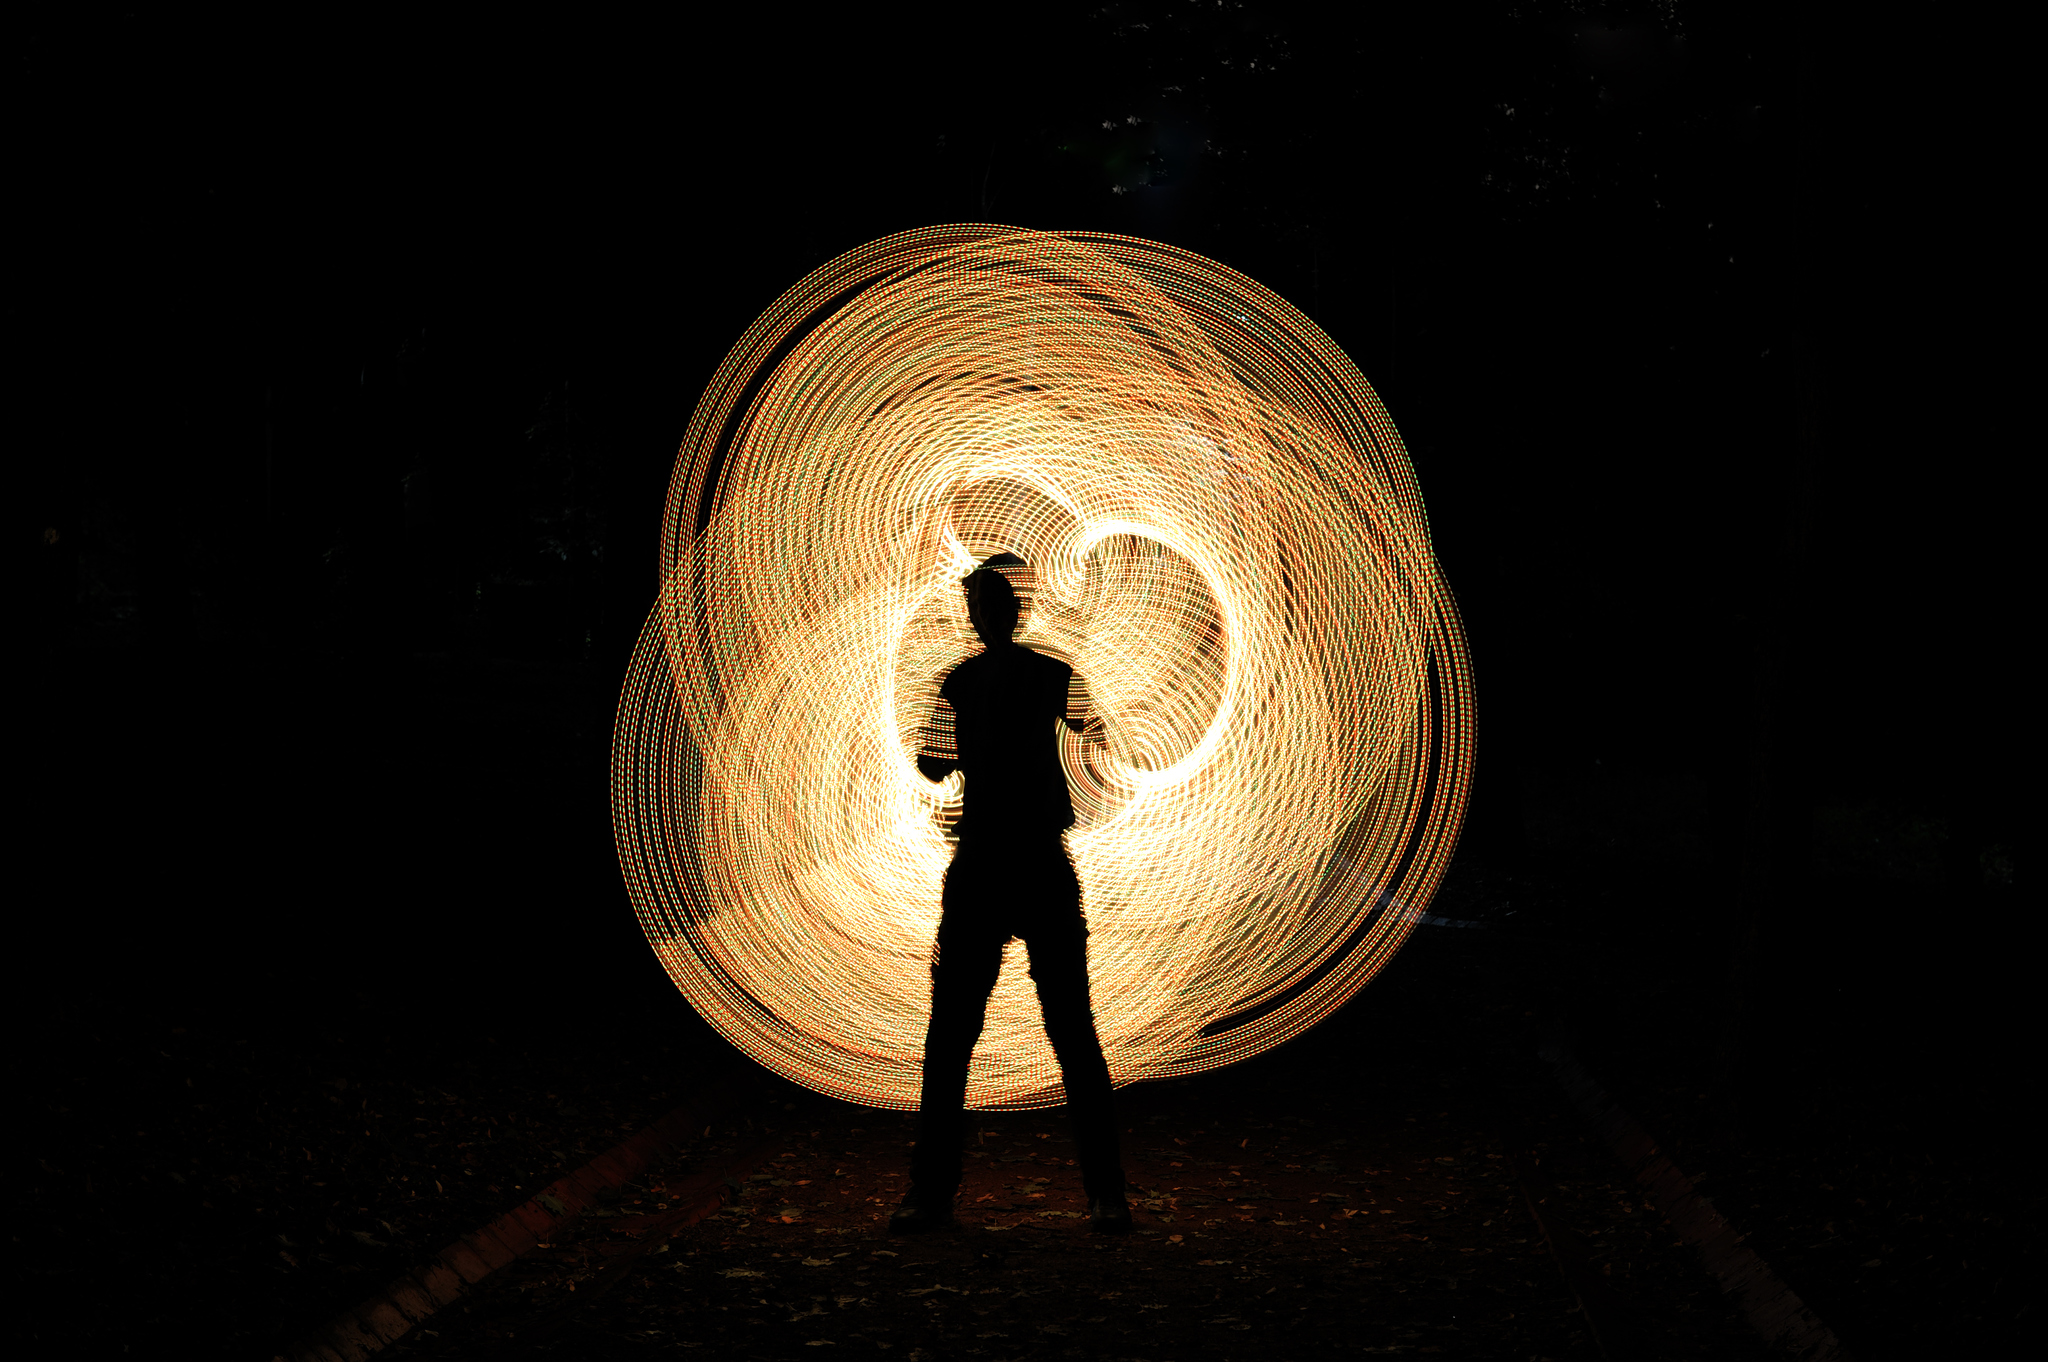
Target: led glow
1229, 546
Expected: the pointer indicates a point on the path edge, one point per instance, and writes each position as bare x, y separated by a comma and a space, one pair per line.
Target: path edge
413, 1297
1771, 1307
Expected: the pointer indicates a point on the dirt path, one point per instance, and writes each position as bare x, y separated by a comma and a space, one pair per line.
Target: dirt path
1293, 1208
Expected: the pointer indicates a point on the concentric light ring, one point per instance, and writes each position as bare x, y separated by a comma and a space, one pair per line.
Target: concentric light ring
1227, 543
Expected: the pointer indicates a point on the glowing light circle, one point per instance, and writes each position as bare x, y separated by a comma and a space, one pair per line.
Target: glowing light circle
1228, 544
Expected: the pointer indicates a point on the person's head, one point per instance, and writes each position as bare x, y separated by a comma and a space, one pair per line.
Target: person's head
992, 602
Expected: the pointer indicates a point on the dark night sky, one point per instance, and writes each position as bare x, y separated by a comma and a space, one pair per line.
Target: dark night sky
1681, 311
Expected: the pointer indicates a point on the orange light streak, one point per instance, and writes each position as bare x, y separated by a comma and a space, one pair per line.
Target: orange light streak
1227, 542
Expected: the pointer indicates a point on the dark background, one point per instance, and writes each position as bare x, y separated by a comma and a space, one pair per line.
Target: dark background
353, 348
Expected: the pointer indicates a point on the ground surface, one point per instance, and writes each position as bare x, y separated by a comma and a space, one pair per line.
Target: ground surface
1329, 1199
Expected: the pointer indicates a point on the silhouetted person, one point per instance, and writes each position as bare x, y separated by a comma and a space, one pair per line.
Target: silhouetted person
1011, 876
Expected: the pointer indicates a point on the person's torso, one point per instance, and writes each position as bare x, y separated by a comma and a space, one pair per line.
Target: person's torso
1007, 704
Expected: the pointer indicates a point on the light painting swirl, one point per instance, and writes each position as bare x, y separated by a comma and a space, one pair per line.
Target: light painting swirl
1228, 545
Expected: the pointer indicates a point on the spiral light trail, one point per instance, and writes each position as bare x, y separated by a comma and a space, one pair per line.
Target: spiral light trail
1226, 542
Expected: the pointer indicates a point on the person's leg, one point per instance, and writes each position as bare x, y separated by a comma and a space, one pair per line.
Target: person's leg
1058, 943
966, 959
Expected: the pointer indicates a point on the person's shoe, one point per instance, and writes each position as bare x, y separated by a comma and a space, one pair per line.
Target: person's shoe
1111, 1215
915, 1217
